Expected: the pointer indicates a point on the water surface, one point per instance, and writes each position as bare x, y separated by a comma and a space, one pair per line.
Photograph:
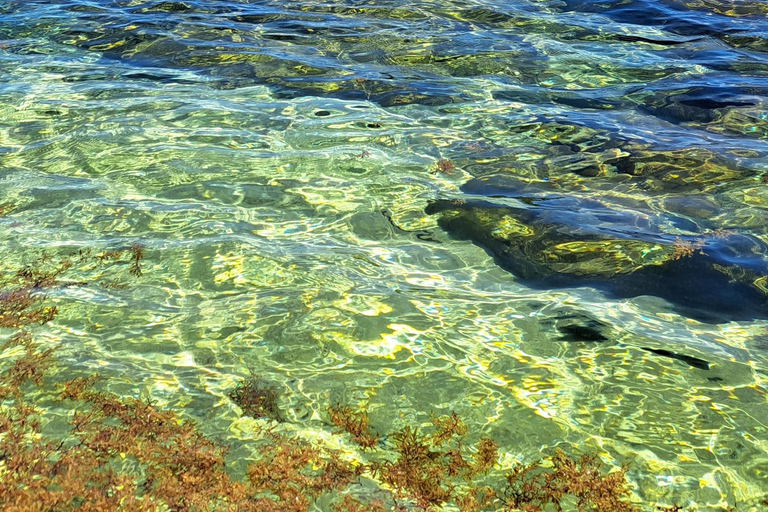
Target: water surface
276, 158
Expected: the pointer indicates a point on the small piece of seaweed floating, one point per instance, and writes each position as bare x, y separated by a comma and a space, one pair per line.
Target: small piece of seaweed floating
443, 166
685, 248
137, 254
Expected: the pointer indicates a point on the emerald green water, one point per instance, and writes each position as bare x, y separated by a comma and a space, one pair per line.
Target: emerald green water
276, 158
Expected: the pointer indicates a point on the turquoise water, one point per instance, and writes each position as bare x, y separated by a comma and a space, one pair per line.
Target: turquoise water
275, 159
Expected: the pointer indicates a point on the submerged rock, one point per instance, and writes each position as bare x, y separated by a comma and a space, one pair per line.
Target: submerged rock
551, 240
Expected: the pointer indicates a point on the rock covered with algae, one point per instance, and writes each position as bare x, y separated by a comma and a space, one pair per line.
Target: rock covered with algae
556, 240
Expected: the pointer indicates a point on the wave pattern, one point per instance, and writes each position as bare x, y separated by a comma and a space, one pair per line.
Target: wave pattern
275, 159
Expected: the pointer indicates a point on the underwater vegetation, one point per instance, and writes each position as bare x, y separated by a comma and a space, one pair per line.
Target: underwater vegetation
124, 453
257, 399
137, 254
23, 291
354, 423
555, 240
434, 468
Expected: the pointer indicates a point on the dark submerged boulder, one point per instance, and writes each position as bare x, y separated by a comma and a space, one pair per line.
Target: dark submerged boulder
552, 240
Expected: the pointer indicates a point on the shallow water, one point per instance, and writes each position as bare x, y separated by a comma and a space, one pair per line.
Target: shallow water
276, 160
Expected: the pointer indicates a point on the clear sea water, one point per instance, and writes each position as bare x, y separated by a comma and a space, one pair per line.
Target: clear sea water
275, 159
